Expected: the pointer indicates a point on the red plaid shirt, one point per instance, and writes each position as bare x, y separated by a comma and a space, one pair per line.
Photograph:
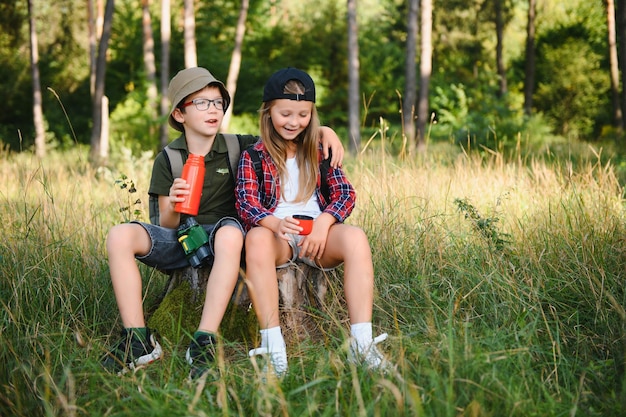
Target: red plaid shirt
252, 210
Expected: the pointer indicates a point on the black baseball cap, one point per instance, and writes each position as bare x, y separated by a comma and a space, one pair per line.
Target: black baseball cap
275, 85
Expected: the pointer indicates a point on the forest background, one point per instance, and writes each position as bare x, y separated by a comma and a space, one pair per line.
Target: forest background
498, 247
475, 91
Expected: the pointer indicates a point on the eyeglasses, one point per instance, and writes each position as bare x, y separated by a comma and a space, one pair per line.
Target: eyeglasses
203, 104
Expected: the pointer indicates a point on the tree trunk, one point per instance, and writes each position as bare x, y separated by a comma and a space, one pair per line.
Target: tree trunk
529, 71
40, 133
95, 20
426, 66
99, 153
104, 135
166, 35
189, 28
354, 122
235, 61
410, 74
617, 110
149, 63
91, 29
499, 46
621, 36
302, 290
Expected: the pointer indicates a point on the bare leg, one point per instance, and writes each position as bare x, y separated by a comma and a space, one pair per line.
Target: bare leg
263, 252
223, 277
349, 244
123, 243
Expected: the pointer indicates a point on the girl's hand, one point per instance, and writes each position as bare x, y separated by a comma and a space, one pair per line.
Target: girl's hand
313, 245
288, 226
178, 191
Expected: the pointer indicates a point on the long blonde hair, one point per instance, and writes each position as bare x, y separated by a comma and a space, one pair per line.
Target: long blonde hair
306, 151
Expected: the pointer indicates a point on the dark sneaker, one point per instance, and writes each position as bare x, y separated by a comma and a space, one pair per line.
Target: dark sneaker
131, 352
201, 355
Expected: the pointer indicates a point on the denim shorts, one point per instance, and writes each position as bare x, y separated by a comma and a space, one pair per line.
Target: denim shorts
295, 255
167, 253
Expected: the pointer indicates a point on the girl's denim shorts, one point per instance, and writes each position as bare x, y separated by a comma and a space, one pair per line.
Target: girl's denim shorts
295, 255
167, 253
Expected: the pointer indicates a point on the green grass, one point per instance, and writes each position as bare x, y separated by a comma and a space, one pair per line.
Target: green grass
501, 284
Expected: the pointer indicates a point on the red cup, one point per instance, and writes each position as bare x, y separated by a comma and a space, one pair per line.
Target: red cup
305, 222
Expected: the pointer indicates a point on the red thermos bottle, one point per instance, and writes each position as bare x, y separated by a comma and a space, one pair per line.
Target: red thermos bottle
193, 173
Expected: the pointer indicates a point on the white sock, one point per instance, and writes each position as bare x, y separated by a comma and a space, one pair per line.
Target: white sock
272, 339
362, 334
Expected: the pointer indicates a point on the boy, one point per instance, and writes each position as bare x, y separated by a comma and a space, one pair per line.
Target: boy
199, 102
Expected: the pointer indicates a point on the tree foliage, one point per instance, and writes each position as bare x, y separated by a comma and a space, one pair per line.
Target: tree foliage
571, 90
570, 97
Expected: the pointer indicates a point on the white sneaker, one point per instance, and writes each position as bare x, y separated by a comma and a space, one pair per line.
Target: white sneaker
278, 359
369, 355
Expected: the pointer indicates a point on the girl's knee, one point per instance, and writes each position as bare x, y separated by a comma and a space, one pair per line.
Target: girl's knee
349, 243
259, 238
358, 233
355, 236
259, 244
229, 237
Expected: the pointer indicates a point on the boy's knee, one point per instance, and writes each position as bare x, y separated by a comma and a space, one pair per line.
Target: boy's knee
123, 236
117, 237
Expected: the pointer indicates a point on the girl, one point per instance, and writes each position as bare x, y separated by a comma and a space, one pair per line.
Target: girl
290, 158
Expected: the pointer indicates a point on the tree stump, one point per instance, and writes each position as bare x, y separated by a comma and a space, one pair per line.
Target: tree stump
302, 291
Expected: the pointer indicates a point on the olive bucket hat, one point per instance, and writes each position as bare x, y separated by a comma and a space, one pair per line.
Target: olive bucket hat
187, 82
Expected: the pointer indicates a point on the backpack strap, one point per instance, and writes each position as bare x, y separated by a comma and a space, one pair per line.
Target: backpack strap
324, 168
153, 209
234, 152
175, 159
258, 169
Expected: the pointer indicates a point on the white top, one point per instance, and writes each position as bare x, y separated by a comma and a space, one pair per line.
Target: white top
289, 191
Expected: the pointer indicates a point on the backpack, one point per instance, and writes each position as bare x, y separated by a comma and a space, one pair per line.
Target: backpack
175, 159
258, 168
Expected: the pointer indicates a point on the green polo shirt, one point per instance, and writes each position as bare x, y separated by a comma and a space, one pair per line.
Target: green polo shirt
218, 192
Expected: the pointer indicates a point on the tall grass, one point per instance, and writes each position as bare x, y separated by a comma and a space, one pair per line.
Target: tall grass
499, 282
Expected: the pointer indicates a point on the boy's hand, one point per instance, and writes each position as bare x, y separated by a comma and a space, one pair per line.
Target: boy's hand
329, 139
178, 191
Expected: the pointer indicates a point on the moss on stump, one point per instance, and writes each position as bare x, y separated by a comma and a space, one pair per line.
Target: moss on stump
302, 290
